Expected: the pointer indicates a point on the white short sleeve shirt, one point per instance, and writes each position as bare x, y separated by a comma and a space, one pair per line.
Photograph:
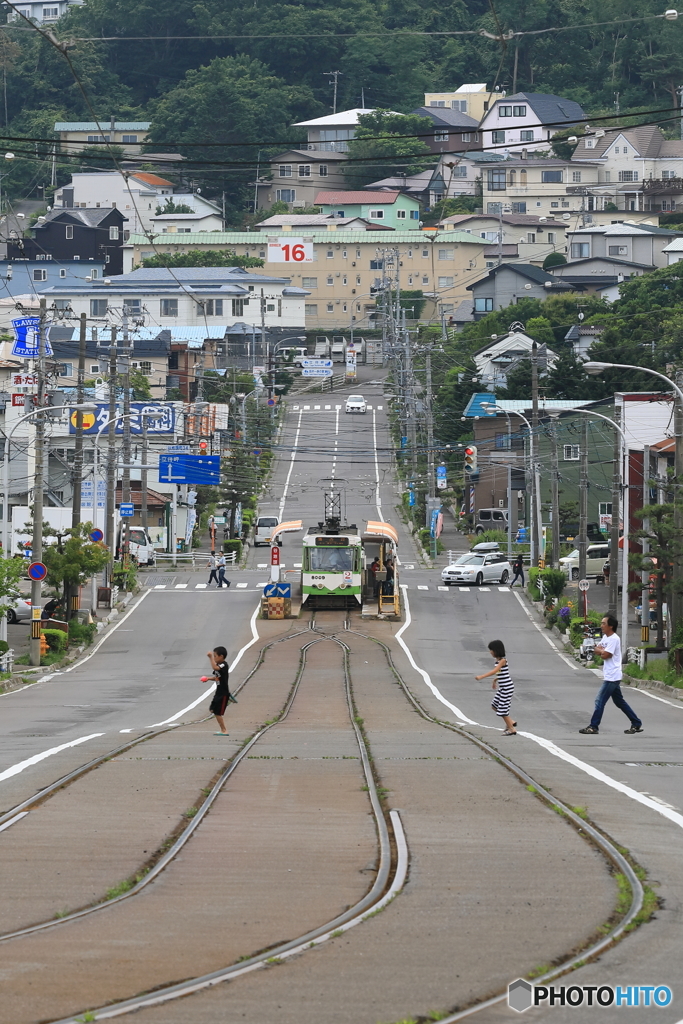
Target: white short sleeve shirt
611, 667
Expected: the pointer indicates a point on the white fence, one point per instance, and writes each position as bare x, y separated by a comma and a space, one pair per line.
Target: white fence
192, 558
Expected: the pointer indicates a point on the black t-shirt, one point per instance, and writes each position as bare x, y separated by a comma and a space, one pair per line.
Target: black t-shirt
221, 674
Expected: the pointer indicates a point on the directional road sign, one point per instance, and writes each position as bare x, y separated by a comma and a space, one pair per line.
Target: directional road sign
316, 371
190, 469
37, 571
277, 590
310, 363
126, 509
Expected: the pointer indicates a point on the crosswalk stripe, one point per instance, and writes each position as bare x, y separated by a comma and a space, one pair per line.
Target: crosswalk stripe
316, 407
241, 586
423, 588
160, 586
181, 586
200, 586
503, 590
445, 588
380, 407
262, 565
328, 406
464, 590
484, 590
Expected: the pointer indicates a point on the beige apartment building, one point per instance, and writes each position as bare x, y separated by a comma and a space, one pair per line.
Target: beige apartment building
349, 266
473, 99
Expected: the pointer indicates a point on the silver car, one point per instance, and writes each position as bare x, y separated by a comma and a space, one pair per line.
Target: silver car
19, 608
478, 567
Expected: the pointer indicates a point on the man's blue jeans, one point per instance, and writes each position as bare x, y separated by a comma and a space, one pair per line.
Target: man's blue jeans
612, 688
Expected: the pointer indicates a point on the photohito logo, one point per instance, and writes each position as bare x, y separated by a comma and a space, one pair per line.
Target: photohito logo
522, 995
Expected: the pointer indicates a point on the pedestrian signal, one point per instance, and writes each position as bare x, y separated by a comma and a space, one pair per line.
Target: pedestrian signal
471, 467
203, 445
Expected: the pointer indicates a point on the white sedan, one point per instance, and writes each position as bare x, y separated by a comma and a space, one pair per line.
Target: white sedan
476, 567
356, 403
19, 608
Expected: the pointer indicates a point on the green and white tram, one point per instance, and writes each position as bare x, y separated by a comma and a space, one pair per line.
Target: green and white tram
332, 564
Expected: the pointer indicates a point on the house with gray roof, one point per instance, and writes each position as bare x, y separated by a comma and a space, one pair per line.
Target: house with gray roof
452, 129
506, 284
642, 243
69, 236
527, 120
130, 135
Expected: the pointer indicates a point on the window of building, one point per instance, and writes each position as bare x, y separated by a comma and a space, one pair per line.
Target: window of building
589, 143
62, 273
40, 275
466, 137
357, 278
425, 253
238, 306
376, 214
565, 202
483, 305
322, 170
625, 150
414, 214
98, 138
446, 254
66, 369
496, 180
344, 253
490, 264
526, 136
616, 149
270, 307
576, 175
555, 206
98, 307
129, 138
441, 136
133, 307
512, 178
437, 103
460, 171
446, 282
519, 207
145, 367
357, 254
571, 452
498, 138
285, 171
330, 307
113, 233
551, 176
530, 236
425, 279
504, 111
376, 264
94, 367
50, 13
68, 230
304, 170
310, 309
401, 214
580, 250
210, 307
330, 254
668, 174
330, 279
309, 282
628, 175
522, 179
345, 279
285, 195
519, 111
617, 250
168, 307
551, 237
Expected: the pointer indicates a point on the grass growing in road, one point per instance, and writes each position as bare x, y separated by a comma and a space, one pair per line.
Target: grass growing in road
118, 890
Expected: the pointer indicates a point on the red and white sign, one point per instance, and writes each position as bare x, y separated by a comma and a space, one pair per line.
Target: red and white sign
19, 400
24, 380
275, 555
290, 250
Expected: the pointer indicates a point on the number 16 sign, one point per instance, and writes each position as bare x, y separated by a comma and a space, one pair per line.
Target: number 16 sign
290, 250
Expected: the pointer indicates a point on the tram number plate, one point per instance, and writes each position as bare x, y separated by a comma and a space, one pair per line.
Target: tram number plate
347, 574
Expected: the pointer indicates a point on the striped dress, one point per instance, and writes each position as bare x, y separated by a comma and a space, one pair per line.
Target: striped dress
503, 698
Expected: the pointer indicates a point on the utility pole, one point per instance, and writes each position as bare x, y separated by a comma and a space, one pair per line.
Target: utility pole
535, 503
410, 397
645, 573
334, 75
110, 533
582, 542
555, 497
430, 426
78, 445
126, 351
38, 485
676, 597
143, 474
614, 528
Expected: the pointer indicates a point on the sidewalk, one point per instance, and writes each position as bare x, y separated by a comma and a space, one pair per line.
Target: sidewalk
451, 538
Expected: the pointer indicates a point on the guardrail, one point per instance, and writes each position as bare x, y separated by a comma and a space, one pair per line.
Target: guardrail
7, 661
193, 557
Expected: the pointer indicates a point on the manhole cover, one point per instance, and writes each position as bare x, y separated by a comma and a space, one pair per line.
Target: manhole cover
156, 581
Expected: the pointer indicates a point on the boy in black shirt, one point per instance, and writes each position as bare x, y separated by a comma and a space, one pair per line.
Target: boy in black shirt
222, 696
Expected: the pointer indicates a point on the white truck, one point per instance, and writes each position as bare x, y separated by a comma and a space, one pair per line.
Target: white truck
338, 349
322, 347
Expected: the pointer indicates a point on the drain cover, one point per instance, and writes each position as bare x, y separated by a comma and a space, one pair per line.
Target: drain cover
156, 581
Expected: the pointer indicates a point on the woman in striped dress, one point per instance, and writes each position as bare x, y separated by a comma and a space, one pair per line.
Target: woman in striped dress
503, 684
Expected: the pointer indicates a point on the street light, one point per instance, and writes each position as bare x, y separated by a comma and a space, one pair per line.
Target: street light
491, 409
594, 367
84, 407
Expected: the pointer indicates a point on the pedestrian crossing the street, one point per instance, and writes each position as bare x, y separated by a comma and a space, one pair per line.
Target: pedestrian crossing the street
259, 586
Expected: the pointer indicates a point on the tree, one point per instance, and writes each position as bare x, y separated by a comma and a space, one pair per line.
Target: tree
208, 258
11, 572
171, 207
387, 144
665, 549
540, 329
450, 207
139, 383
72, 561
554, 259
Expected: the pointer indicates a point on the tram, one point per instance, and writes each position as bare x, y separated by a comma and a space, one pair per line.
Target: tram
332, 561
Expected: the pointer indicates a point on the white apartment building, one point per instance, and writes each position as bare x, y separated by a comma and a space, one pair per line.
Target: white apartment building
191, 296
42, 11
525, 238
527, 120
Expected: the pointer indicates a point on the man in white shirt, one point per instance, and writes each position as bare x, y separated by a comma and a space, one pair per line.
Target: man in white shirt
610, 652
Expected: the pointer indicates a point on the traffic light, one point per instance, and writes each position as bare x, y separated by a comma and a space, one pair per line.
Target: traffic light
203, 447
471, 468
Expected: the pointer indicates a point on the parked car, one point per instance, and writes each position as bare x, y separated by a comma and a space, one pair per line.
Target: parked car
595, 560
570, 531
478, 567
490, 519
294, 355
355, 403
19, 608
264, 529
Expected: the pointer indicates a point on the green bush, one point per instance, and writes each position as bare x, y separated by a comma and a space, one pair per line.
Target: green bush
233, 545
491, 536
575, 626
658, 670
125, 579
57, 640
81, 632
4, 647
554, 581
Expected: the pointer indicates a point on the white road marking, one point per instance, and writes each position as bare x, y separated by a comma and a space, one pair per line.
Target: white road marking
503, 590
203, 696
306, 407
14, 820
22, 765
422, 588
262, 565
646, 693
316, 406
298, 565
544, 633
380, 407
437, 693
125, 730
181, 586
445, 588
484, 590
378, 500
160, 586
241, 586
328, 406
411, 566
296, 408
337, 406
291, 467
464, 590
200, 586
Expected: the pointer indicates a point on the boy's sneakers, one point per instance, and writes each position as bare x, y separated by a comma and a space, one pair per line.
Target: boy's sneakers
634, 728
590, 731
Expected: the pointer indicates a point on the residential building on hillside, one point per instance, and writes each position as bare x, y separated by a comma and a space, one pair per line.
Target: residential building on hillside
42, 11
601, 275
472, 98
296, 223
451, 127
638, 168
151, 350
206, 216
138, 196
536, 186
190, 296
674, 251
527, 120
297, 175
524, 237
72, 235
498, 357
506, 284
75, 135
460, 174
638, 243
348, 266
392, 210
424, 186
21, 276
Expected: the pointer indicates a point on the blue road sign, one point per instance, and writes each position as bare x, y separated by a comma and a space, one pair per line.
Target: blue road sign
96, 535
433, 520
440, 472
37, 571
190, 469
277, 590
27, 338
411, 497
126, 509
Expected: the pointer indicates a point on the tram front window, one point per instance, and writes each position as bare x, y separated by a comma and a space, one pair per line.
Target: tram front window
330, 559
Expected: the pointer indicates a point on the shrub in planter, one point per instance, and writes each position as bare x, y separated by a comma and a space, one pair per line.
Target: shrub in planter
576, 626
81, 632
233, 545
554, 582
57, 639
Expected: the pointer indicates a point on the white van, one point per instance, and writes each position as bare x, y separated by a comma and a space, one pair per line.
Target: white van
264, 529
294, 355
140, 547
